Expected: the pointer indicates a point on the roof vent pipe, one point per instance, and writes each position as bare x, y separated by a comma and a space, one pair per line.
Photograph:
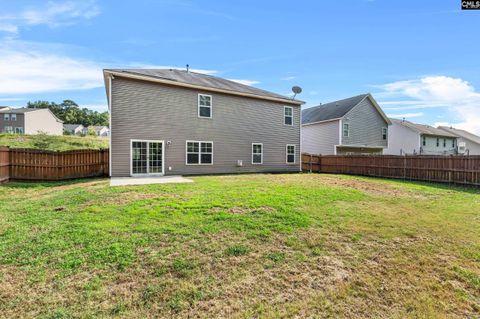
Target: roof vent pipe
188, 68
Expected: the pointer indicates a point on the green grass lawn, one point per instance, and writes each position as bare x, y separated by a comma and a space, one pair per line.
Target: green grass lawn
247, 246
53, 143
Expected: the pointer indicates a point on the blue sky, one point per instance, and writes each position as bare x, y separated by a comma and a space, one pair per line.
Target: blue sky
418, 58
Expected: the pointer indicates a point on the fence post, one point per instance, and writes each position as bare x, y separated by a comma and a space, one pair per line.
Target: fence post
4, 164
311, 164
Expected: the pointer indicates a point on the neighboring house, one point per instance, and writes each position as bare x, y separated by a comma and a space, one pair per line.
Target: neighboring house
356, 125
30, 121
99, 130
178, 122
405, 137
467, 143
74, 129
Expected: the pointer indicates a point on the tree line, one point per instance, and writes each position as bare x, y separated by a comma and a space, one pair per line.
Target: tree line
70, 113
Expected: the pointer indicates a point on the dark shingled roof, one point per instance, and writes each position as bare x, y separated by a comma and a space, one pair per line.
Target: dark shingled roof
330, 111
199, 79
19, 110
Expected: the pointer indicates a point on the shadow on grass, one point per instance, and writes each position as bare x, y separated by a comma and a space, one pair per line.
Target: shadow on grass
45, 184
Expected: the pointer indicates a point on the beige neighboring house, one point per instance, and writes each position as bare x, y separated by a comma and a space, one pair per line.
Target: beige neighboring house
468, 143
74, 129
29, 121
102, 131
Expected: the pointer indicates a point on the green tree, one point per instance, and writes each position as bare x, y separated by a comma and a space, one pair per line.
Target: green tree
70, 113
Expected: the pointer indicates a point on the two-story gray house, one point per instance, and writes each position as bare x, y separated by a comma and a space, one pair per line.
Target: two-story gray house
175, 122
29, 121
356, 125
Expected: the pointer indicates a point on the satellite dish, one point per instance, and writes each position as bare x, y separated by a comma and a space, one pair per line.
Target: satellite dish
296, 90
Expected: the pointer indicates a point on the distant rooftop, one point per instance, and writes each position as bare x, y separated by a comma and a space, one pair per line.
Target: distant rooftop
203, 80
423, 128
18, 111
461, 133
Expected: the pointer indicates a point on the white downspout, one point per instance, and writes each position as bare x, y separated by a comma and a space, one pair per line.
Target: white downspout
110, 124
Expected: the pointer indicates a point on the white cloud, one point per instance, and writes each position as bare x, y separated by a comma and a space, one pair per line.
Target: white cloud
52, 14
288, 78
458, 96
245, 82
405, 115
29, 70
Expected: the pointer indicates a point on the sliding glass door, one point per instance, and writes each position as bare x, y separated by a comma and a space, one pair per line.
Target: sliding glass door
146, 157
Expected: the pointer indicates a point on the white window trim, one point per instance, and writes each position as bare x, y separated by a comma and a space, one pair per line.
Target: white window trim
198, 106
261, 157
10, 130
385, 132
163, 158
343, 130
294, 154
6, 117
18, 127
13, 117
285, 116
199, 152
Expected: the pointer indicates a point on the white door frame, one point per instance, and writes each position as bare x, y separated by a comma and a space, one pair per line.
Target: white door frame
148, 157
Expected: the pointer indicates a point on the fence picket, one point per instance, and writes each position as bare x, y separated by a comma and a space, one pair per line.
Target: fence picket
449, 169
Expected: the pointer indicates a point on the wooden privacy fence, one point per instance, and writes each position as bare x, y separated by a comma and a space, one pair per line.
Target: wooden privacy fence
447, 169
31, 164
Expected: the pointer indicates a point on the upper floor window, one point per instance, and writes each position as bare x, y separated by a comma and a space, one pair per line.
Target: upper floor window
13, 117
6, 117
199, 152
257, 153
438, 142
444, 142
424, 140
288, 115
384, 133
346, 130
290, 150
204, 105
453, 143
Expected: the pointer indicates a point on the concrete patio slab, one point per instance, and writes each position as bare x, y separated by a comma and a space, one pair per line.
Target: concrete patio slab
123, 181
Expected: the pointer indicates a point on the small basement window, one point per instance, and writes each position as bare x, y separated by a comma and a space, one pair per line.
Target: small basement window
199, 153
290, 150
204, 106
257, 153
288, 115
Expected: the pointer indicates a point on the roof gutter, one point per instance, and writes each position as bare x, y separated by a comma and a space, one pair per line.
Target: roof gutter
199, 87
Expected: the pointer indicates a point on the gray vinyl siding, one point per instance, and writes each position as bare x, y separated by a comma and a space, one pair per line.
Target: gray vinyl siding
432, 149
150, 111
365, 126
20, 122
320, 138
